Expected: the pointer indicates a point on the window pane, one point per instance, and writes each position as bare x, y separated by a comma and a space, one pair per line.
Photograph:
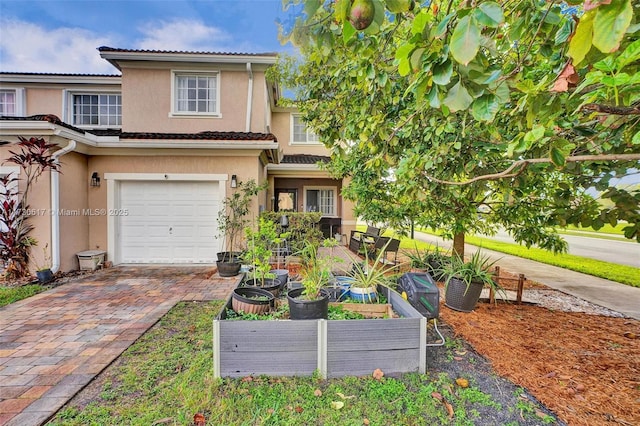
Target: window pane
99, 109
195, 93
7, 102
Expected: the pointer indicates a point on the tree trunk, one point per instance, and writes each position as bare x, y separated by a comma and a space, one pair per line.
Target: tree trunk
458, 245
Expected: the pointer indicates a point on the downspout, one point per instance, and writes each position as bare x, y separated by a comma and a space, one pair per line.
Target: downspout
249, 97
55, 207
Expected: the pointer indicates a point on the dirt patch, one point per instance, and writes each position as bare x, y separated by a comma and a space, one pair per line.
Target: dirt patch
583, 367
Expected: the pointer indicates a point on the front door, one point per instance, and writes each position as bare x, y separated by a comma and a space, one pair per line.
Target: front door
286, 200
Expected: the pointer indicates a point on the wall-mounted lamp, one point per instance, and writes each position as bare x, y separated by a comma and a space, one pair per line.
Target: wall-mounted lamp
95, 179
234, 181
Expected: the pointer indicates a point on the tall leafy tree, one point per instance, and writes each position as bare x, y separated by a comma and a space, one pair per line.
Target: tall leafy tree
468, 115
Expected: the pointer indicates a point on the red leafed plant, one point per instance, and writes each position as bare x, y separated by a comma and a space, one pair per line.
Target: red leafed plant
34, 158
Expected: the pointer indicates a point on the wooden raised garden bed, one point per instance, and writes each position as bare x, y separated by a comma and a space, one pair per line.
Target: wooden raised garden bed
334, 348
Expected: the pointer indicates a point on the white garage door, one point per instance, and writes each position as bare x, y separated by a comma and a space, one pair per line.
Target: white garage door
168, 222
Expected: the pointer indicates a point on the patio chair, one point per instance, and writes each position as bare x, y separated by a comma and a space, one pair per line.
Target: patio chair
391, 245
358, 238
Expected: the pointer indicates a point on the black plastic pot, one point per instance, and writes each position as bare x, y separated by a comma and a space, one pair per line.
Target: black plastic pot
301, 309
282, 276
460, 298
243, 300
229, 256
270, 284
44, 276
228, 269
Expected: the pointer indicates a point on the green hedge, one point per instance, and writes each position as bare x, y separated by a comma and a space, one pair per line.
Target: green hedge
302, 227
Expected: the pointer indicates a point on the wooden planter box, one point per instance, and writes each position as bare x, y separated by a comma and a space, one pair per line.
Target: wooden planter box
334, 348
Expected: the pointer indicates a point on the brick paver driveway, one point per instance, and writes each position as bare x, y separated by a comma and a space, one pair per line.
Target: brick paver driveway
53, 344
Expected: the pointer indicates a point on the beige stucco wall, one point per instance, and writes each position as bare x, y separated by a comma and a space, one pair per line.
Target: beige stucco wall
74, 222
39, 204
146, 102
245, 167
281, 127
44, 101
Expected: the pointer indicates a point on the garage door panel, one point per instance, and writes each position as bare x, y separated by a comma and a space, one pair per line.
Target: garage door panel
169, 222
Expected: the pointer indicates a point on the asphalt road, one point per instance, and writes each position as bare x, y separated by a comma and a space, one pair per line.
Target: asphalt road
620, 252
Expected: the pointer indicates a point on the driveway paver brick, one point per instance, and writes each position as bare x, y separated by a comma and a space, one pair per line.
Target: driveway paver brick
54, 343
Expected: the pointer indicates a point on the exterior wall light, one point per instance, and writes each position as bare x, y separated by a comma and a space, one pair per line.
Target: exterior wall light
95, 179
234, 181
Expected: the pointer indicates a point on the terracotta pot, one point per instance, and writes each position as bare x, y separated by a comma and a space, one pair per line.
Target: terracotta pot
243, 300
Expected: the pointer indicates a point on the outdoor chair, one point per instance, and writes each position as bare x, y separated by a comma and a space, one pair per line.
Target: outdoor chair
391, 245
359, 239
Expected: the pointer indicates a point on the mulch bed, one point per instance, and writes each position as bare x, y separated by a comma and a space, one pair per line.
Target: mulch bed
585, 368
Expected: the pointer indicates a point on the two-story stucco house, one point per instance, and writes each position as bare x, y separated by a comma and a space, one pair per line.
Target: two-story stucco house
148, 155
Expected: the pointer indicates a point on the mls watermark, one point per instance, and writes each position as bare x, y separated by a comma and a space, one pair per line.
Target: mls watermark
77, 212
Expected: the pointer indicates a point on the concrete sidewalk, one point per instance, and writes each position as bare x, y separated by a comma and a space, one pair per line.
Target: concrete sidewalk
615, 296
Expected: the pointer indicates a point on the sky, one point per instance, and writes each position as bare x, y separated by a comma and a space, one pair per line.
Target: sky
61, 36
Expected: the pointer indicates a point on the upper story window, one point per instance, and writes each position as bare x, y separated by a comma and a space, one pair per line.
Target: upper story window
96, 109
300, 133
196, 93
11, 102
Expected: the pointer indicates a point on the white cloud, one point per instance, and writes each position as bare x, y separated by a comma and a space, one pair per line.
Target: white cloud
183, 34
27, 47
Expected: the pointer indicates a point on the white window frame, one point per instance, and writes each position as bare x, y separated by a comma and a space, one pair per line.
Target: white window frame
321, 188
20, 110
311, 138
69, 116
192, 114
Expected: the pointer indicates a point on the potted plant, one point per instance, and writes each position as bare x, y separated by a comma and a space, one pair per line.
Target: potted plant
464, 281
366, 279
258, 254
252, 300
232, 219
43, 271
310, 301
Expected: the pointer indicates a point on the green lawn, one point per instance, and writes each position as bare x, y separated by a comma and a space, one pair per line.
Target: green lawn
620, 273
166, 378
13, 294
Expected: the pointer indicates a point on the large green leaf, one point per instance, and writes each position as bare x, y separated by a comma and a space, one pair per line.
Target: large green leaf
489, 13
420, 21
458, 98
348, 30
465, 40
610, 24
630, 54
557, 157
398, 6
485, 107
580, 43
441, 29
341, 10
311, 6
442, 73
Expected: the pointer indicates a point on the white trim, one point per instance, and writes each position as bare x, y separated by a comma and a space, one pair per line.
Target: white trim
21, 100
55, 206
306, 188
174, 113
249, 98
188, 57
167, 176
67, 105
63, 79
113, 198
292, 140
5, 170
